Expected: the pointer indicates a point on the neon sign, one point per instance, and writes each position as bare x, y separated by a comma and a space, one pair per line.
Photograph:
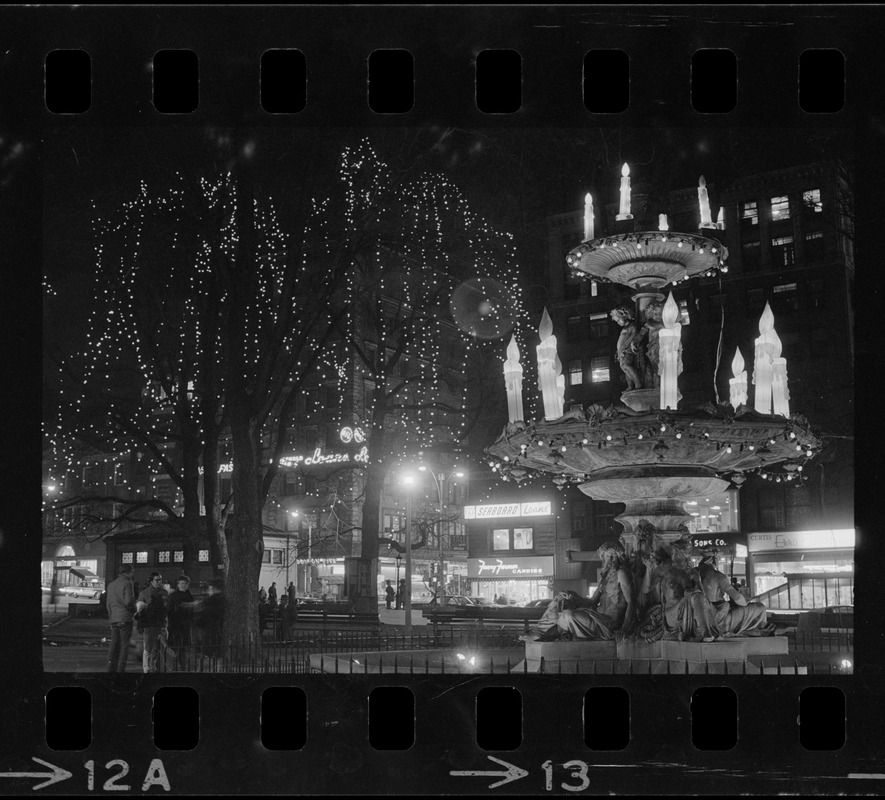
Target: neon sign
349, 435
315, 459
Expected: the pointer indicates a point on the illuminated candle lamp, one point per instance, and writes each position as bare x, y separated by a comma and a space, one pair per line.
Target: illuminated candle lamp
704, 202
624, 211
738, 384
663, 225
780, 393
765, 345
588, 217
513, 381
669, 339
560, 384
547, 360
720, 220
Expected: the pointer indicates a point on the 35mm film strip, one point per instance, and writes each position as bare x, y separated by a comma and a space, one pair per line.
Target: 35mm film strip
471, 139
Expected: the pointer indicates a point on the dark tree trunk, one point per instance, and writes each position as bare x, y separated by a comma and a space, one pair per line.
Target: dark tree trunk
244, 539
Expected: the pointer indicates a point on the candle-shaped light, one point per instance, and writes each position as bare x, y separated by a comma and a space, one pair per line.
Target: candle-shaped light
624, 211
588, 217
780, 394
547, 371
560, 384
762, 363
738, 384
663, 225
513, 381
669, 343
704, 202
720, 220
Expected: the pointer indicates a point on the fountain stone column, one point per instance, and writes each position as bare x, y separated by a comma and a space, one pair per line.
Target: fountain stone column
654, 494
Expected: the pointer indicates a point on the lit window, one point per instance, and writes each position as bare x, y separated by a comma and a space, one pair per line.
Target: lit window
786, 298
811, 201
522, 538
599, 369
684, 319
749, 213
141, 557
780, 207
576, 373
782, 251
163, 556
178, 556
127, 558
599, 327
501, 539
202, 555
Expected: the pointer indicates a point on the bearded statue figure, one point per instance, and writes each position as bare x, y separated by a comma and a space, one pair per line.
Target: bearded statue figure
610, 610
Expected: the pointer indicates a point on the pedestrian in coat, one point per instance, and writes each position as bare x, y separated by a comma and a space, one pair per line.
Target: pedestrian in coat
121, 608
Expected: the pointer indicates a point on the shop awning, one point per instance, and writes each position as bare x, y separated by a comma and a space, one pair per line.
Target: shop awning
85, 574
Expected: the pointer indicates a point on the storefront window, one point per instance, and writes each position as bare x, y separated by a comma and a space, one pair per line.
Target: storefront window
522, 539
714, 513
501, 539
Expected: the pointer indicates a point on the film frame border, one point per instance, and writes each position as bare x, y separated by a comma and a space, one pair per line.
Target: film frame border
338, 98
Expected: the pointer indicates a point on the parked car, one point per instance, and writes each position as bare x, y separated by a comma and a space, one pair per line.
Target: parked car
480, 601
454, 600
543, 603
87, 589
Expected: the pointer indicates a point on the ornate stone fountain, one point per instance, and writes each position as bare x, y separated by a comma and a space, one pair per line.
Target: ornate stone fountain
651, 452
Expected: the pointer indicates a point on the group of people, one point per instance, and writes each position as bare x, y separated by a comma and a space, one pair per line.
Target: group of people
654, 594
270, 596
395, 596
168, 620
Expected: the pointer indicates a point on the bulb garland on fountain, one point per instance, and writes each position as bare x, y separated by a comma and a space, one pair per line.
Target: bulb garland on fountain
651, 453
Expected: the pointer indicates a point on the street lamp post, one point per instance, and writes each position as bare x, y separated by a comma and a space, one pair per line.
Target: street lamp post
441, 480
407, 595
306, 581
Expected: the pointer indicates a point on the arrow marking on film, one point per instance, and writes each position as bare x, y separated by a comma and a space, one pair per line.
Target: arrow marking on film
513, 773
57, 774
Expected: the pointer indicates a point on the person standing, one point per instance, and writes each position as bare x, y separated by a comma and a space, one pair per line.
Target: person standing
262, 595
209, 619
272, 594
121, 606
152, 605
181, 605
290, 590
390, 594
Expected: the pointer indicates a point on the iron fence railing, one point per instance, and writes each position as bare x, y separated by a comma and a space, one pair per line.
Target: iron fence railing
429, 651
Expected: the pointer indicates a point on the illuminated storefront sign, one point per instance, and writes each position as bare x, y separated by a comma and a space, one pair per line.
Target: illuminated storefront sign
349, 435
316, 458
801, 540
500, 510
510, 567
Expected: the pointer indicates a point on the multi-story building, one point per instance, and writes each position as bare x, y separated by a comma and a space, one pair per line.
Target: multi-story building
789, 234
